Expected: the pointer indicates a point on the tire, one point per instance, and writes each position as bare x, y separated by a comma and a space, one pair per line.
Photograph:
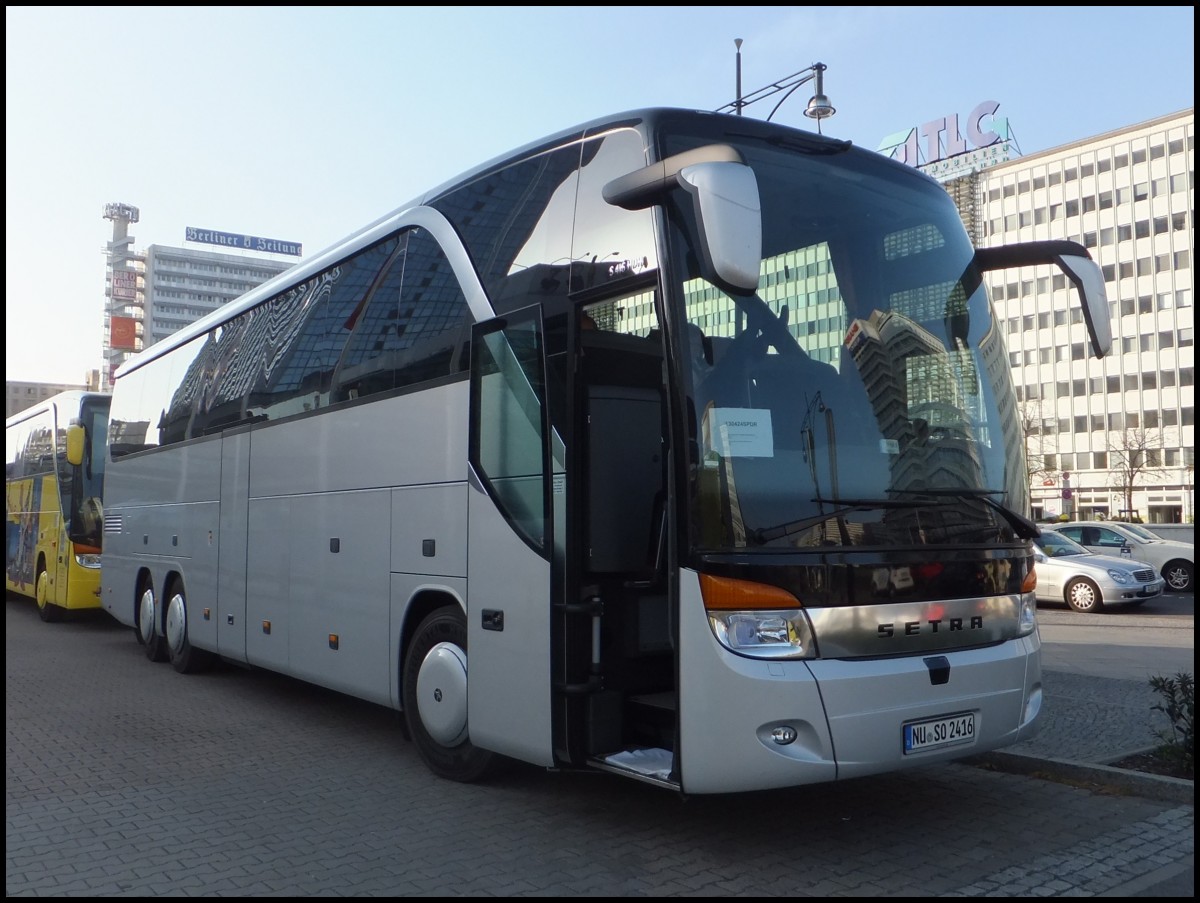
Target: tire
1180, 576
47, 610
1083, 595
185, 658
435, 698
149, 625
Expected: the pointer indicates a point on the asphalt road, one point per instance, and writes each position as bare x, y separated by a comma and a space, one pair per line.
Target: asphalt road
124, 778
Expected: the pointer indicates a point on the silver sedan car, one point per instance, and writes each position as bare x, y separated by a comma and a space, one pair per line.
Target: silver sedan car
1067, 572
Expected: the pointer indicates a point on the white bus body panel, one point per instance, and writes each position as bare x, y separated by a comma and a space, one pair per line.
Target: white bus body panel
508, 671
327, 509
848, 715
157, 520
232, 547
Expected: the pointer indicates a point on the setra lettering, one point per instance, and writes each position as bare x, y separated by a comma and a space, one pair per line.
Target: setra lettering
916, 628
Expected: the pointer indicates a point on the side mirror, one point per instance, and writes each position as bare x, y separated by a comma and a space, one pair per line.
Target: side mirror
724, 193
1073, 259
76, 440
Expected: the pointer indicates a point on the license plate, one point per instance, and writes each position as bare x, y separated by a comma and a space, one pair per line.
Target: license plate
935, 733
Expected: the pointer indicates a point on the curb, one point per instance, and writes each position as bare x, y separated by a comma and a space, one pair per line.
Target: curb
1098, 778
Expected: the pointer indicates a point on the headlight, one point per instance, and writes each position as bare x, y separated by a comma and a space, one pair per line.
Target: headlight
1120, 576
756, 619
87, 560
764, 634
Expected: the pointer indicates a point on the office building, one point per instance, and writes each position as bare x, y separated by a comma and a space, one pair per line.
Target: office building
1095, 427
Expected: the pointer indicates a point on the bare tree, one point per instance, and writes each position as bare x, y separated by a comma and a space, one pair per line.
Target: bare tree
1037, 443
1134, 453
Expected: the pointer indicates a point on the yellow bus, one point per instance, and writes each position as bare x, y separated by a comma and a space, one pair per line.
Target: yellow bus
54, 478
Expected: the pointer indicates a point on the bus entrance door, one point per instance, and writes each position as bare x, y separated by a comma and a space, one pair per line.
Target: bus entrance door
509, 541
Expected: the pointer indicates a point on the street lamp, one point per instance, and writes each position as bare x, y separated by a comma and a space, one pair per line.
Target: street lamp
818, 107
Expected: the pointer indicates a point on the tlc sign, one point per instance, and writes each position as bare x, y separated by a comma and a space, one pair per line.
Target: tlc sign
941, 138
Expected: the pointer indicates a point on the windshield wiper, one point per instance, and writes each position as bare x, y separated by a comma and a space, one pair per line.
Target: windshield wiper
766, 534
1022, 526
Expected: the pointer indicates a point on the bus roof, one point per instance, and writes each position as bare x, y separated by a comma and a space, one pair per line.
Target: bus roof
645, 120
71, 398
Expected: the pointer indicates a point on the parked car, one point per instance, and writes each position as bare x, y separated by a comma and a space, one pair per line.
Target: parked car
1067, 572
1175, 561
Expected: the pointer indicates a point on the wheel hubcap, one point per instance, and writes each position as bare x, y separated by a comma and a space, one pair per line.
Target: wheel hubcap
1083, 597
442, 694
176, 623
146, 616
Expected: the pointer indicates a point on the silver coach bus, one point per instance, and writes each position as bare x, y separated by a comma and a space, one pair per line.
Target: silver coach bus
693, 434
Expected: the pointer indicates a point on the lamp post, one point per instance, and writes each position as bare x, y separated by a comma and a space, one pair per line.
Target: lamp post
737, 104
818, 108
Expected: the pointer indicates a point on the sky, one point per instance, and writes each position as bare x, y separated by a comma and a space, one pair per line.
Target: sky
304, 124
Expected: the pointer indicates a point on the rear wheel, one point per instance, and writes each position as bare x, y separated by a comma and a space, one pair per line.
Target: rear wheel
1180, 576
149, 631
1083, 595
435, 698
185, 658
47, 610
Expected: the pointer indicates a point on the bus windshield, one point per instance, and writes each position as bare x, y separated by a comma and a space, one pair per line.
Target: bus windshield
860, 396
82, 496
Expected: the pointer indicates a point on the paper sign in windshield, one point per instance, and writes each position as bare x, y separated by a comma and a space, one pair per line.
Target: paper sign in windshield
739, 432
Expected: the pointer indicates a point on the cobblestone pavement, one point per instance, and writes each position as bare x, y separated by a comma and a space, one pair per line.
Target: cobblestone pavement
123, 778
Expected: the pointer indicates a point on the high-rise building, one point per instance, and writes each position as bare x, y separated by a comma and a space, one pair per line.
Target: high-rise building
184, 284
153, 293
1104, 436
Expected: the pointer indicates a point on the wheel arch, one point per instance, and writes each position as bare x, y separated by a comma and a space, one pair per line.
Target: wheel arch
422, 603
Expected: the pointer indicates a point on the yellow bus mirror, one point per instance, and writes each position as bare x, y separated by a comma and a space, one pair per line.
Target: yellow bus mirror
76, 437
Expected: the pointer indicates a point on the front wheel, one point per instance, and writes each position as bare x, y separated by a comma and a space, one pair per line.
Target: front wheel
1180, 576
1083, 595
435, 698
47, 610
